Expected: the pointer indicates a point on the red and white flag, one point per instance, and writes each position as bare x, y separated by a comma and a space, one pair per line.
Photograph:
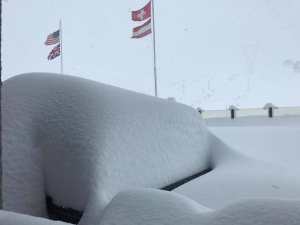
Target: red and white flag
55, 52
143, 30
142, 14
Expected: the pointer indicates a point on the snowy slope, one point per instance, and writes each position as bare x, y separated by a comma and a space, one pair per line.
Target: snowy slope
150, 207
76, 140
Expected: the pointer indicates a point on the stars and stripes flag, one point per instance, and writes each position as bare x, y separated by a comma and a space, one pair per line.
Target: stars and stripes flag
53, 38
141, 15
55, 52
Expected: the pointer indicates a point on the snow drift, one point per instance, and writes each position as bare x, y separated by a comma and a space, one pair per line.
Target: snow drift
152, 207
236, 176
75, 140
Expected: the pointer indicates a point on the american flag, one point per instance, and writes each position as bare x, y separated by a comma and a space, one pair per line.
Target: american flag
53, 38
55, 52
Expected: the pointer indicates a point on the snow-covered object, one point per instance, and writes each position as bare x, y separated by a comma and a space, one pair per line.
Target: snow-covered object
9, 218
78, 139
149, 207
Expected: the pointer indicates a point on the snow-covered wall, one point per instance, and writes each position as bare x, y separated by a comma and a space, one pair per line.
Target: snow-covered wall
76, 140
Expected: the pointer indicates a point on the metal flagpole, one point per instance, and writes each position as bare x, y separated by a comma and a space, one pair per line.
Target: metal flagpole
154, 49
61, 47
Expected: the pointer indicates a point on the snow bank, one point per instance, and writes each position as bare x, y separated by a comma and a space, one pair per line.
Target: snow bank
9, 218
79, 140
150, 207
236, 176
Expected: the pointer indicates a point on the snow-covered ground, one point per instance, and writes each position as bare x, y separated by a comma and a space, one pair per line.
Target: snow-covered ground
83, 142
152, 207
274, 140
268, 167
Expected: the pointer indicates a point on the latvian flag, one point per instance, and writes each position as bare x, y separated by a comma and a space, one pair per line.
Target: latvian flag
142, 14
143, 30
55, 52
52, 38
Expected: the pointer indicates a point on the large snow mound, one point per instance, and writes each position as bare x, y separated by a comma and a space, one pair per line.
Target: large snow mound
151, 207
78, 139
9, 218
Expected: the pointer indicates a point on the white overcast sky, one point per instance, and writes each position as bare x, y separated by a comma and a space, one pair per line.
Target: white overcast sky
211, 53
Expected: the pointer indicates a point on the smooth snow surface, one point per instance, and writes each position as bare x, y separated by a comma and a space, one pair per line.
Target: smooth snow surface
149, 206
274, 140
9, 218
78, 139
236, 176
153, 207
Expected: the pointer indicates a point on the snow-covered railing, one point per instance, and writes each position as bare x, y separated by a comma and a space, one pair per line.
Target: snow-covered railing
246, 112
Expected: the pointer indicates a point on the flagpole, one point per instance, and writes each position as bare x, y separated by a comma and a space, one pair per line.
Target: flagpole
61, 47
154, 49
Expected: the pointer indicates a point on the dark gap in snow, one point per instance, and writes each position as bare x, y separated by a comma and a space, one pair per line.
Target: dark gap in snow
175, 185
69, 215
60, 213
